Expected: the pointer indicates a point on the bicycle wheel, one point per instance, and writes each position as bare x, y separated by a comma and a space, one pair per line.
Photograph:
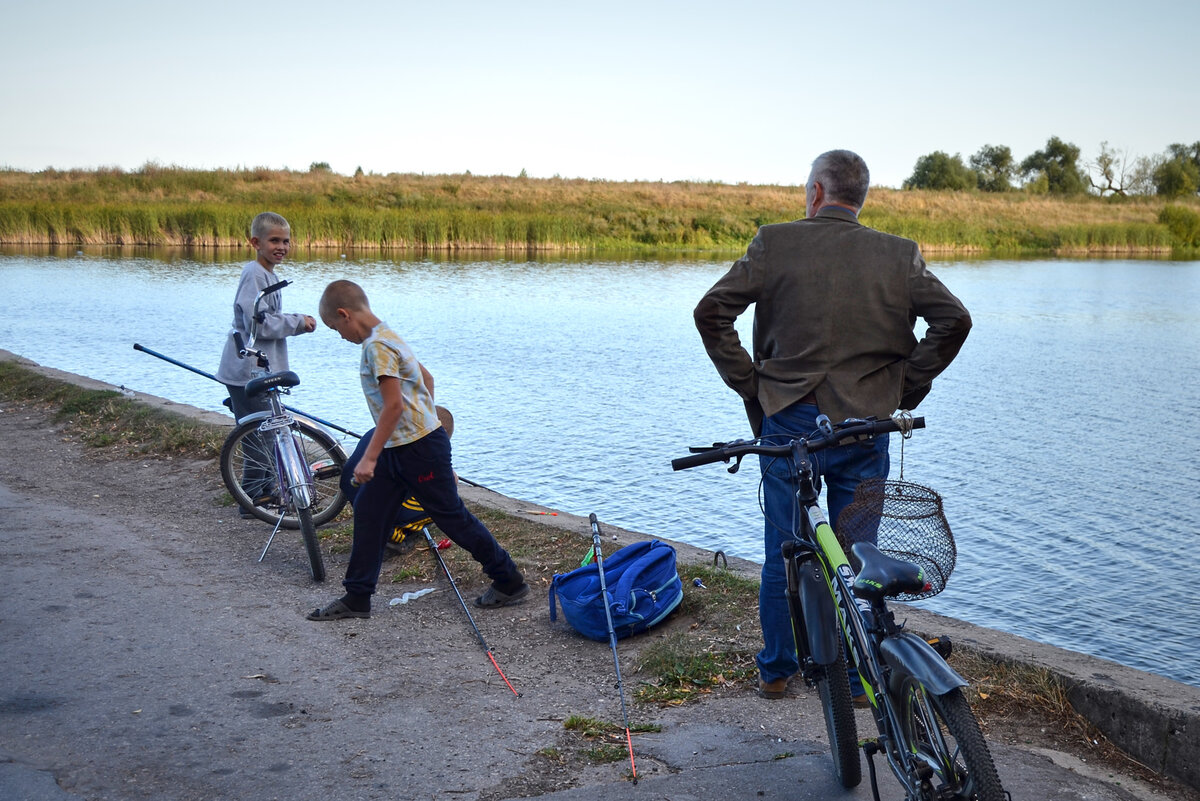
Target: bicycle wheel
244, 452
833, 686
308, 530
942, 734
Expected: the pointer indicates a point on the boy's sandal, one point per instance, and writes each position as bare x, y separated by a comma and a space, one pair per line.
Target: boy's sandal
336, 610
493, 597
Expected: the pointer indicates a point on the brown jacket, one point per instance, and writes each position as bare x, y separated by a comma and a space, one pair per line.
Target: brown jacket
835, 306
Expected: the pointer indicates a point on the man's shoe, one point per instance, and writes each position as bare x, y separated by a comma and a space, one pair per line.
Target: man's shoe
861, 701
772, 689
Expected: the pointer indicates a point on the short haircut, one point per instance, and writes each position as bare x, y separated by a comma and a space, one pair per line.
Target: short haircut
342, 294
266, 221
844, 175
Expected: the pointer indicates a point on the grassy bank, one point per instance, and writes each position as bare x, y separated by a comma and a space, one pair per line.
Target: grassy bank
106, 419
176, 206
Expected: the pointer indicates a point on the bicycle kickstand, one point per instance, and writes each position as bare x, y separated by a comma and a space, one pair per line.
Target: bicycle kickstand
871, 748
271, 539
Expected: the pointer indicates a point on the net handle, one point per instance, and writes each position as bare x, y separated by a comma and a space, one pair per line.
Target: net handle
904, 420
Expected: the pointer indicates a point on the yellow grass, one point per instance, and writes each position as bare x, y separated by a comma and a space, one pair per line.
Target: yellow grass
176, 206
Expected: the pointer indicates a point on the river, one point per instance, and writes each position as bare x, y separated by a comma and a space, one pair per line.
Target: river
1055, 437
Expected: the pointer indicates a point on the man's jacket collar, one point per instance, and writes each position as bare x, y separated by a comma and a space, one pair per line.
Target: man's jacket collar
837, 212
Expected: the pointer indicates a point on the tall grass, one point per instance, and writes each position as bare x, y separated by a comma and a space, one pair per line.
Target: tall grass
175, 206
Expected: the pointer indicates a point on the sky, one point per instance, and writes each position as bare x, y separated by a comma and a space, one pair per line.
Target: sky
707, 91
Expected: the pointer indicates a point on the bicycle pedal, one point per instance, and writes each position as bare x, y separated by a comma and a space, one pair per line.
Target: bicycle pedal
942, 645
325, 469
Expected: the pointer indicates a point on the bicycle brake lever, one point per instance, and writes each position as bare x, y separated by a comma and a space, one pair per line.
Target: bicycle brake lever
737, 463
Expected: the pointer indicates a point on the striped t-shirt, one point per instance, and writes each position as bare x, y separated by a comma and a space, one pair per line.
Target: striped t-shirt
384, 353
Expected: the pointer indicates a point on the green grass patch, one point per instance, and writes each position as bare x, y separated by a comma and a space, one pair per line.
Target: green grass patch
605, 753
593, 727
552, 754
406, 574
684, 669
106, 419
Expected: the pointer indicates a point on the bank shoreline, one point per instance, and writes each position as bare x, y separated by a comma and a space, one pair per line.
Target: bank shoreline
599, 250
1154, 719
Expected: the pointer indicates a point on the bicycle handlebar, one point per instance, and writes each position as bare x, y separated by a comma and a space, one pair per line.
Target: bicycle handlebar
274, 287
839, 434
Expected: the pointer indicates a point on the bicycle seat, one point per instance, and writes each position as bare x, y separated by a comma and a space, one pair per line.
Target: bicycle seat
257, 386
882, 576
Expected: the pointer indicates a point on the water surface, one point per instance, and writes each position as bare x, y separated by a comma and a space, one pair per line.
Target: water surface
1056, 438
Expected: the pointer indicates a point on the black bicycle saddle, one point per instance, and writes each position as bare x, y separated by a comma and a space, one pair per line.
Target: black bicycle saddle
881, 576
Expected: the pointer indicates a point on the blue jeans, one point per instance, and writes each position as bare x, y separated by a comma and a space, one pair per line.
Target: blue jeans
841, 470
257, 478
423, 470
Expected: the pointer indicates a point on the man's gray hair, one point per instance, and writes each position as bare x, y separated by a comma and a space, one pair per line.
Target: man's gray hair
844, 175
265, 221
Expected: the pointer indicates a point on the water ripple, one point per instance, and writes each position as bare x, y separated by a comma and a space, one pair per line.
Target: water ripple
1053, 438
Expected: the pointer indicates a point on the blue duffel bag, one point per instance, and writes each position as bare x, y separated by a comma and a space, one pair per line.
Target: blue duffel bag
643, 588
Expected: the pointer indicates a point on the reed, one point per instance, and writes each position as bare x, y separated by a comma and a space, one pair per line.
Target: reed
176, 206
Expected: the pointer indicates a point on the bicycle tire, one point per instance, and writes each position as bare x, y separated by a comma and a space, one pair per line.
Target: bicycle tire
833, 687
240, 450
942, 732
308, 531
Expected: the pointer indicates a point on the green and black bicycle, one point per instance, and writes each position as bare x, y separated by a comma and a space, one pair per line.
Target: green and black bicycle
926, 728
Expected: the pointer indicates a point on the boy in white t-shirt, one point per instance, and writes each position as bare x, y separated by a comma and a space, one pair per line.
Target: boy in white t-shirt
408, 454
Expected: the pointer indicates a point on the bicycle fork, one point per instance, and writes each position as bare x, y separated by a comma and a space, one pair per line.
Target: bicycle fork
291, 472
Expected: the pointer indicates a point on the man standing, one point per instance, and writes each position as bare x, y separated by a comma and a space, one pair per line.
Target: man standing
835, 308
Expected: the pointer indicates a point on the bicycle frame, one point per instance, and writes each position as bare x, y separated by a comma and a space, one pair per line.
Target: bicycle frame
290, 462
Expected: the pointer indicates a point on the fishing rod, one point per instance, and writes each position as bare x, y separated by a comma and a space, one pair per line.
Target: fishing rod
178, 363
487, 650
612, 636
313, 417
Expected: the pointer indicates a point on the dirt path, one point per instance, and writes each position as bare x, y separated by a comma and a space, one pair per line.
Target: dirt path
148, 655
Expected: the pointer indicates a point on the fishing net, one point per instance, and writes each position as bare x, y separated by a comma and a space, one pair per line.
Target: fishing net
906, 521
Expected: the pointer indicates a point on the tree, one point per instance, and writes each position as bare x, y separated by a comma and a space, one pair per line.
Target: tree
995, 167
939, 170
1185, 152
1178, 174
1141, 175
1178, 177
1058, 165
1115, 173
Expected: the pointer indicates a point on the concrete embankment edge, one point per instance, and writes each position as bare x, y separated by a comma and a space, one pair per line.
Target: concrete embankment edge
1153, 719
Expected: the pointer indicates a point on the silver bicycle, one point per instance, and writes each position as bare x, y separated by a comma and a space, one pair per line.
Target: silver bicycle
281, 468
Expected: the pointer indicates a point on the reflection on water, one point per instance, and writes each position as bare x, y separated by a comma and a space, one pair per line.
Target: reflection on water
1053, 438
